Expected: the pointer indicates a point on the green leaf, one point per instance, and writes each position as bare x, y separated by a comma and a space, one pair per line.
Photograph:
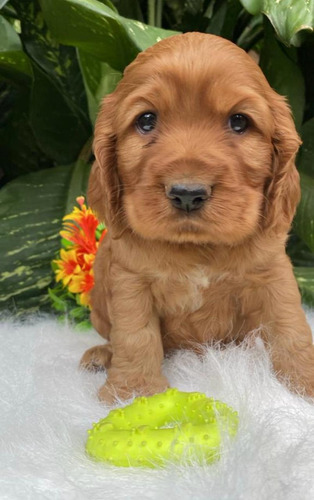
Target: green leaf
31, 211
57, 99
65, 304
79, 179
58, 303
253, 6
299, 252
14, 63
20, 152
224, 18
278, 64
79, 313
304, 220
305, 279
99, 80
92, 26
306, 155
252, 33
58, 131
290, 18
58, 62
218, 19
109, 4
2, 3
83, 325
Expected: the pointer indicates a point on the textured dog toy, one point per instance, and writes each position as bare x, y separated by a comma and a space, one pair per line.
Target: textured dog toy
165, 427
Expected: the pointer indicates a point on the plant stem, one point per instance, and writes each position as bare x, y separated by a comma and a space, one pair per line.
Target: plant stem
159, 13
151, 12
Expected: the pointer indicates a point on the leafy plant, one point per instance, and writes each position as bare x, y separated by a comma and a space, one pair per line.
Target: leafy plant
58, 58
73, 267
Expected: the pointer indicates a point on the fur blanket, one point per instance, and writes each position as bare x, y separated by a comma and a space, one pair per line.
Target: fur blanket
47, 404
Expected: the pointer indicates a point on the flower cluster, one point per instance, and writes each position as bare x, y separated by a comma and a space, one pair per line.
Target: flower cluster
81, 235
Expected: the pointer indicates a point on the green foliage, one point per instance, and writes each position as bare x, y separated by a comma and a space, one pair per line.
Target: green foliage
58, 58
62, 301
92, 26
305, 279
14, 63
278, 64
290, 18
31, 210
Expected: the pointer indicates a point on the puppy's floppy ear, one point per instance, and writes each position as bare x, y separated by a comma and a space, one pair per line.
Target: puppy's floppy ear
282, 191
104, 187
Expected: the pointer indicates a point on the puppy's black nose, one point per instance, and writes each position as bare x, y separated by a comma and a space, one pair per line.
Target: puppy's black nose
188, 197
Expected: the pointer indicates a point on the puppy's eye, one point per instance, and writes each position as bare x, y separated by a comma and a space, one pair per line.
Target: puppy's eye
238, 123
146, 122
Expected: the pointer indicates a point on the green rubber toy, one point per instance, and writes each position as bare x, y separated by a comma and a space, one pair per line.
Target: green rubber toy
166, 427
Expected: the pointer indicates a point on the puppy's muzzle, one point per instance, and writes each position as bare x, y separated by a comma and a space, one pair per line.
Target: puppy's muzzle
188, 197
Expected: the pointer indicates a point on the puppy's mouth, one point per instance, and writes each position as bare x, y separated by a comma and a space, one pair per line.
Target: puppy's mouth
188, 199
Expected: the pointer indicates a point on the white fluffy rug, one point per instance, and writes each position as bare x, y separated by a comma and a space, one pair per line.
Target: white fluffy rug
47, 405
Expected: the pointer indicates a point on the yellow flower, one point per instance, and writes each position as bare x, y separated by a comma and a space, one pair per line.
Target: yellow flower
82, 284
68, 266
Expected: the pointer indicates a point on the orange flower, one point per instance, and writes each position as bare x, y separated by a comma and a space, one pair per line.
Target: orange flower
75, 267
80, 228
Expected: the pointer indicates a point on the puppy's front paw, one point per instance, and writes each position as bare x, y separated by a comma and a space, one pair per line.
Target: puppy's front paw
97, 358
159, 385
110, 392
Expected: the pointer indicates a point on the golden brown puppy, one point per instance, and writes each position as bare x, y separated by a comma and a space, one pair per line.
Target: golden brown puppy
195, 178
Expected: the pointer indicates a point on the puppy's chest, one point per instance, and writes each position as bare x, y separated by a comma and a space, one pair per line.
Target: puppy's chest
180, 293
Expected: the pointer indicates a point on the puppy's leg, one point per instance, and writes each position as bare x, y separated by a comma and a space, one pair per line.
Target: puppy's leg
289, 336
292, 354
136, 364
97, 358
137, 351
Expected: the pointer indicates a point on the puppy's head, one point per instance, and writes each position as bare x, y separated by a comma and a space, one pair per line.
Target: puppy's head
194, 146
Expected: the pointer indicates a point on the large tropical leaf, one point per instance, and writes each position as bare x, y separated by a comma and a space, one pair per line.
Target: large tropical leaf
278, 64
31, 210
20, 152
94, 27
58, 100
290, 18
2, 3
14, 63
58, 62
99, 80
58, 130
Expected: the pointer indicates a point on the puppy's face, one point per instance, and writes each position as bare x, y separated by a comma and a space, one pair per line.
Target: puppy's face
194, 129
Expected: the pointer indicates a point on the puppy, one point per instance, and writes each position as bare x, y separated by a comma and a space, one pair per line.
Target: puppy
195, 178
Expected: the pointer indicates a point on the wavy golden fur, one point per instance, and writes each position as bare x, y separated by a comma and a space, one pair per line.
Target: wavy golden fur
168, 278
